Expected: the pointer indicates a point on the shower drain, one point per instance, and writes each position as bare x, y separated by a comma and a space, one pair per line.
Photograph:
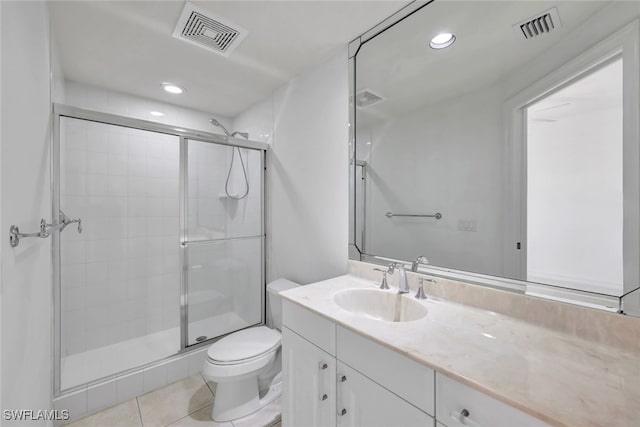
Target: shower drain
201, 338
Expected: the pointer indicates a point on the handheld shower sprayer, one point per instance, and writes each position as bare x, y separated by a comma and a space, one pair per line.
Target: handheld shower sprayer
218, 124
245, 135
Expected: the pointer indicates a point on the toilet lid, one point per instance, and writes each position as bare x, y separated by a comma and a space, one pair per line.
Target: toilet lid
245, 344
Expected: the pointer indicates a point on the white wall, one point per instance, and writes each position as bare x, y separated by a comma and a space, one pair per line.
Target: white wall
108, 101
25, 198
306, 123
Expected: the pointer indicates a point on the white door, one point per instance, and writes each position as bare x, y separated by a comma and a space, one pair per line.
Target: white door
309, 383
364, 403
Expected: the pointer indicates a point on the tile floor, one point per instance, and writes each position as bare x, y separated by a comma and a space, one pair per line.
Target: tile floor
186, 403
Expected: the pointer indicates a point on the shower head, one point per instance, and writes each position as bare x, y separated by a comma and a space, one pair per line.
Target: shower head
218, 124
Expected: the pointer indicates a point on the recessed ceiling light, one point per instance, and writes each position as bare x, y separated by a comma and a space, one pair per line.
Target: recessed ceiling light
156, 114
172, 88
442, 40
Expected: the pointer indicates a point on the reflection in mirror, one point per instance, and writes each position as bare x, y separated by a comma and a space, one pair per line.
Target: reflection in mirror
517, 123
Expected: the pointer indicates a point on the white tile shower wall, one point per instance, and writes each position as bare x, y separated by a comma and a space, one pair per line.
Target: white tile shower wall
25, 198
120, 278
306, 122
212, 213
107, 101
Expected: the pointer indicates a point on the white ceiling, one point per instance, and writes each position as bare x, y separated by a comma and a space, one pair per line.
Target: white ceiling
400, 66
128, 46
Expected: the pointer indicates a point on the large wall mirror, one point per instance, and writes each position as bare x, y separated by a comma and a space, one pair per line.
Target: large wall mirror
500, 140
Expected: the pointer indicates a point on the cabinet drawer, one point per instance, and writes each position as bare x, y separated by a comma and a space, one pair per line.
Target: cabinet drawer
312, 327
405, 377
483, 411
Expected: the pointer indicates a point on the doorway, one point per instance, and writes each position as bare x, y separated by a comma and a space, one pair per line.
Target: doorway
574, 184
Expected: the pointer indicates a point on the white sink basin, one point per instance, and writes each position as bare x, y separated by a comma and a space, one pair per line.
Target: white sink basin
381, 305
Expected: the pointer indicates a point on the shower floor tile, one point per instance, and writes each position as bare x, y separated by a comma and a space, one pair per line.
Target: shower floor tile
186, 403
101, 362
82, 368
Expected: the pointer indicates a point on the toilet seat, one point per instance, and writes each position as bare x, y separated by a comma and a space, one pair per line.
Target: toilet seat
247, 365
244, 346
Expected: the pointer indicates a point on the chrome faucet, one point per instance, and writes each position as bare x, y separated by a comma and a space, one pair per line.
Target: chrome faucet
403, 285
421, 260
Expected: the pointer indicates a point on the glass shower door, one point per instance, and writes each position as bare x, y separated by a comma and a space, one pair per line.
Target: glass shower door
224, 240
120, 279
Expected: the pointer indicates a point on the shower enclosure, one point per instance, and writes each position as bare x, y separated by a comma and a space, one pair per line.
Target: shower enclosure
171, 255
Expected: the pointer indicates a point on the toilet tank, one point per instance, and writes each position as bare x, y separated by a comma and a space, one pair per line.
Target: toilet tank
274, 301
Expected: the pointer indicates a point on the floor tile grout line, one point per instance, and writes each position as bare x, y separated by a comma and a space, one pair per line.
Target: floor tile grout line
207, 384
139, 412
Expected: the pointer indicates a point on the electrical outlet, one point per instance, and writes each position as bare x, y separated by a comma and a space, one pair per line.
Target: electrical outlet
467, 225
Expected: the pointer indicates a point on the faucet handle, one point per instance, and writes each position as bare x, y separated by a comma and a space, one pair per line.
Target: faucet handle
421, 260
420, 294
383, 283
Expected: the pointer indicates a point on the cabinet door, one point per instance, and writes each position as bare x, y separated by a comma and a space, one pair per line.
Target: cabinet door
363, 403
309, 383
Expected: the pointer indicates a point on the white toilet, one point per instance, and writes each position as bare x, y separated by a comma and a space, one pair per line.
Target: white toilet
247, 364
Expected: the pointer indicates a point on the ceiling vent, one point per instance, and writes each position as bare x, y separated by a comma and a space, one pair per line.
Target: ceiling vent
196, 25
366, 98
542, 23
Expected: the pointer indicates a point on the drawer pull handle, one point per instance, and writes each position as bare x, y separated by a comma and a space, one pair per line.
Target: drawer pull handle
463, 418
323, 395
342, 379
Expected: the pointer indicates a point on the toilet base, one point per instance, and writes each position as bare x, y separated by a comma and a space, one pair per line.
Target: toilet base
238, 399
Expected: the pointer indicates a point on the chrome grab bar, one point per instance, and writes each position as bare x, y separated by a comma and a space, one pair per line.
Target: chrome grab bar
45, 229
437, 215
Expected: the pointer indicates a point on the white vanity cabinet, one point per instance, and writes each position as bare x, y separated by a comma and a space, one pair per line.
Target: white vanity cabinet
364, 383
309, 383
335, 377
308, 368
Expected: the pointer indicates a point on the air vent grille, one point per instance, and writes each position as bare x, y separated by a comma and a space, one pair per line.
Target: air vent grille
366, 98
543, 23
197, 26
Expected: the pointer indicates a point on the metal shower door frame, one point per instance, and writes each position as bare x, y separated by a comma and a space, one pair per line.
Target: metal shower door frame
184, 240
184, 134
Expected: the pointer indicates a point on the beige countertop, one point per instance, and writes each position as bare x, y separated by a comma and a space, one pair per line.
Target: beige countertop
556, 377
